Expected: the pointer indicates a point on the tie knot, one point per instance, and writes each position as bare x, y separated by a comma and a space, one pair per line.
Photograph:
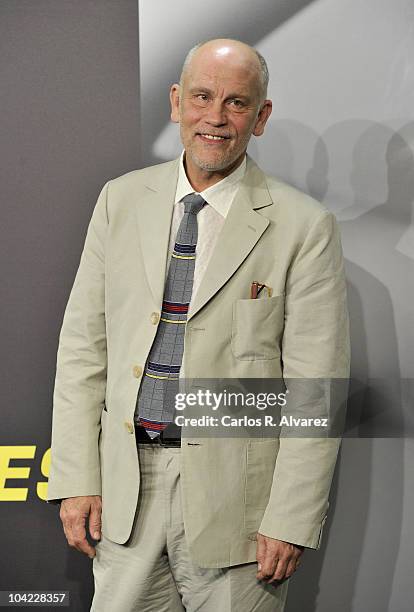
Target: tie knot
193, 203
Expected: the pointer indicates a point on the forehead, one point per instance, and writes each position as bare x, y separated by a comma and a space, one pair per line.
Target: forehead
228, 72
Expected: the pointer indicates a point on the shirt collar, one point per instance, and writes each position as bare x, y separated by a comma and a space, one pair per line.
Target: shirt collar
220, 195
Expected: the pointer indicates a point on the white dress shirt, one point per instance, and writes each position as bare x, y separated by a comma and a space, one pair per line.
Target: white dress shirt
219, 198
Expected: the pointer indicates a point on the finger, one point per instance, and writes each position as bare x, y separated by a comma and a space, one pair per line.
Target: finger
95, 523
267, 567
260, 557
83, 546
280, 571
78, 537
292, 567
259, 574
81, 543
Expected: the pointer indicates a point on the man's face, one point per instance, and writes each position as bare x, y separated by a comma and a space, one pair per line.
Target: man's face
218, 108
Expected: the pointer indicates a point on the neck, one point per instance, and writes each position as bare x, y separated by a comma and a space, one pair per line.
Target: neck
200, 179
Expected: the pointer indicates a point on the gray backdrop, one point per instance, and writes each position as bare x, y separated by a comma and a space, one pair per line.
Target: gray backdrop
69, 84
342, 129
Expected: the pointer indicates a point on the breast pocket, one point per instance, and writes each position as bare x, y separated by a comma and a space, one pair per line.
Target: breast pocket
257, 327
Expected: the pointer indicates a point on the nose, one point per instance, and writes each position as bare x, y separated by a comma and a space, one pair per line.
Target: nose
216, 114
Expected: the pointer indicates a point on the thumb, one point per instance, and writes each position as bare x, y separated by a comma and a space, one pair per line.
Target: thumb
95, 523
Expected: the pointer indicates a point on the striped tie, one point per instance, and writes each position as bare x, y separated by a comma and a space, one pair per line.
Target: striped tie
155, 402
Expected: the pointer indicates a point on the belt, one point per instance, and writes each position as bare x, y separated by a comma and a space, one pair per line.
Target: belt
142, 437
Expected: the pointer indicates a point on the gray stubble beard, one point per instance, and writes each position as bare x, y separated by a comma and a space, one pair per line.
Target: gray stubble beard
217, 165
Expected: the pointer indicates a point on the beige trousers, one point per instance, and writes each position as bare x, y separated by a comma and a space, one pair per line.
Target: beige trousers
153, 571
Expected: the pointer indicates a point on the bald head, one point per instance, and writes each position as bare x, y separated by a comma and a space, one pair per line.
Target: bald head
220, 103
230, 51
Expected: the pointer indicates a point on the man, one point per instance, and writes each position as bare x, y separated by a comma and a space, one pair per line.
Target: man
197, 523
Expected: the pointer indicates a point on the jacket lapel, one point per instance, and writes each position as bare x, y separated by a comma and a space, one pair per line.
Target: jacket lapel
154, 215
242, 229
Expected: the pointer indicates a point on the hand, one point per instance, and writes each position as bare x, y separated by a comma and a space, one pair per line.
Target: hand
277, 560
74, 512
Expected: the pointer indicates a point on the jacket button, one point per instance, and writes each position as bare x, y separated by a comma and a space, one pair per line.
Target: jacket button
129, 426
155, 317
137, 371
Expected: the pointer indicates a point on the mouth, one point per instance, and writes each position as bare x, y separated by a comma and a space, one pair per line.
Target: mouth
212, 137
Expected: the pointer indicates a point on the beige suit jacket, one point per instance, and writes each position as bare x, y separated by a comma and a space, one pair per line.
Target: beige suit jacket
231, 488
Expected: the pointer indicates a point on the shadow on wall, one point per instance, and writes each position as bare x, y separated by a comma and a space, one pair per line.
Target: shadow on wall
380, 288
236, 19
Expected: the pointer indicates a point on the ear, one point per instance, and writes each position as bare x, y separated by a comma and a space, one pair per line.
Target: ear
175, 102
262, 117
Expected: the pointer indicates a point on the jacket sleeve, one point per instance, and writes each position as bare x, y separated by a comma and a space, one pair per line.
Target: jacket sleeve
80, 383
315, 356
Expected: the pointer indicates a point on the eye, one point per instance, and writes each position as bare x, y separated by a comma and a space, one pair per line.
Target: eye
201, 97
236, 103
